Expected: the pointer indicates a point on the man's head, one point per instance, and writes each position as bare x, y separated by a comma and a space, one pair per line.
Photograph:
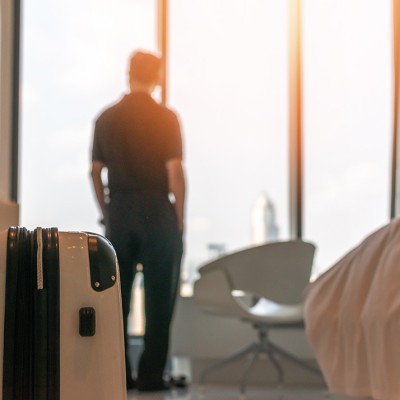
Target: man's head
144, 69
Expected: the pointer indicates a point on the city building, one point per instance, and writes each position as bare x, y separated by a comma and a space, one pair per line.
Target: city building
264, 226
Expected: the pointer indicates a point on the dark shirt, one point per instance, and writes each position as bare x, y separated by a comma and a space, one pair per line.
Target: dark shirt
134, 139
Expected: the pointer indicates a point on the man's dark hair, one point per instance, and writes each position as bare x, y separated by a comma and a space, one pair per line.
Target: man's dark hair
144, 67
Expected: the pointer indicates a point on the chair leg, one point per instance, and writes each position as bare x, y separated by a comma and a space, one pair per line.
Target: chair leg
277, 365
248, 369
294, 359
265, 344
236, 356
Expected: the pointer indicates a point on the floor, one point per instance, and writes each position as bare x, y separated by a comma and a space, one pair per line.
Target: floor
232, 393
220, 392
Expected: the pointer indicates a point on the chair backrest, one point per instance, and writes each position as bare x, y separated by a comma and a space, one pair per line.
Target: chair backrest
278, 271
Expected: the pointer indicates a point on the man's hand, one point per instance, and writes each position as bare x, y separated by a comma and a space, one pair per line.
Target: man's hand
98, 185
177, 186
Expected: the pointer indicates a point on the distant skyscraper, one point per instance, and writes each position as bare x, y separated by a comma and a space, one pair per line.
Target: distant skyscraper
216, 250
264, 228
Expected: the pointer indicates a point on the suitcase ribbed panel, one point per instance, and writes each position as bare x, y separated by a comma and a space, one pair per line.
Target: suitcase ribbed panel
18, 317
40, 351
3, 269
92, 366
46, 347
51, 264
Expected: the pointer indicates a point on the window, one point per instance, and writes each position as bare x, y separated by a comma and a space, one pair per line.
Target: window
228, 81
75, 63
75, 59
347, 122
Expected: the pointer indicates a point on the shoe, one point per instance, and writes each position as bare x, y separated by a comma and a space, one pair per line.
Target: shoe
152, 386
178, 381
130, 383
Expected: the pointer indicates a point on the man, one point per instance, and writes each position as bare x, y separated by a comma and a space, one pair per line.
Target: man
139, 142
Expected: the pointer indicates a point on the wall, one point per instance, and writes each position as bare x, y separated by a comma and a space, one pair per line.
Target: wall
6, 29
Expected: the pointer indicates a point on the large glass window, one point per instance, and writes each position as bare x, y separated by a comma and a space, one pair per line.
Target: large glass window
347, 122
228, 81
228, 78
75, 63
75, 58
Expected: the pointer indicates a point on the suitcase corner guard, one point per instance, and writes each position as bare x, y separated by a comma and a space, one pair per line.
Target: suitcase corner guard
103, 262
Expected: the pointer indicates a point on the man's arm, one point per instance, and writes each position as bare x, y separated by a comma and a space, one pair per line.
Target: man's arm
177, 186
98, 185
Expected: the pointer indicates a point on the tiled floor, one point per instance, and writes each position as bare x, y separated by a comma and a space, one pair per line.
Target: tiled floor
230, 393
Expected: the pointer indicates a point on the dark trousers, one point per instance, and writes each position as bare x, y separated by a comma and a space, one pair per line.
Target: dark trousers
143, 228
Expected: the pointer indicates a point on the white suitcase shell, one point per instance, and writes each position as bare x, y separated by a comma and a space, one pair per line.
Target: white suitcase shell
91, 367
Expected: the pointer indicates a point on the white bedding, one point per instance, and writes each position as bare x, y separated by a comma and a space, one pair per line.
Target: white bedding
352, 315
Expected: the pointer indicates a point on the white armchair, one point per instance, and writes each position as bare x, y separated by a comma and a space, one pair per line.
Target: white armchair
262, 286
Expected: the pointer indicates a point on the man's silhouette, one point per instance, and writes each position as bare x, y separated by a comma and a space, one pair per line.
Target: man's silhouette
139, 143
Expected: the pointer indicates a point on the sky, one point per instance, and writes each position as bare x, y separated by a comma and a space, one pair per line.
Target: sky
228, 81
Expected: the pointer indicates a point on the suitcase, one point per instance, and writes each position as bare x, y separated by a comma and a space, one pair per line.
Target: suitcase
61, 307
